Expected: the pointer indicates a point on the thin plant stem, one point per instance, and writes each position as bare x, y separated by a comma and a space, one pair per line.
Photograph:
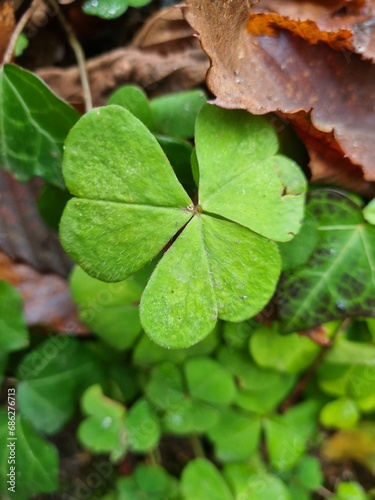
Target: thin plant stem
19, 29
153, 457
78, 51
197, 446
313, 367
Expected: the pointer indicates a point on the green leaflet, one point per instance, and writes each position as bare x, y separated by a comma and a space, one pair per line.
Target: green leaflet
129, 204
260, 190
201, 480
13, 330
199, 289
338, 280
36, 468
33, 126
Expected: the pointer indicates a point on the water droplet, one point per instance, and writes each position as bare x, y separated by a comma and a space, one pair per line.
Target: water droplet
341, 304
106, 422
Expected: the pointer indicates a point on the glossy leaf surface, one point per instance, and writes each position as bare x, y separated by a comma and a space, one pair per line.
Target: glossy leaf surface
338, 280
33, 126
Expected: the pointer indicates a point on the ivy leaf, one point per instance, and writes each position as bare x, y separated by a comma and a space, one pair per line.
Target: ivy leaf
129, 204
13, 330
33, 126
36, 465
338, 280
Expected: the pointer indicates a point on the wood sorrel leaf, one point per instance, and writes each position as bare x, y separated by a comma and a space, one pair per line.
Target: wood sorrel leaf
338, 280
130, 204
33, 126
242, 178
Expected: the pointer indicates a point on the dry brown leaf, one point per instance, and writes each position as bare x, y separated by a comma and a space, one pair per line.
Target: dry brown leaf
156, 73
24, 235
47, 299
286, 74
7, 24
317, 335
270, 23
347, 26
165, 32
354, 444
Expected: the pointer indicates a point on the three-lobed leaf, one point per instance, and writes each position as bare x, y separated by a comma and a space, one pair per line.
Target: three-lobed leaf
129, 204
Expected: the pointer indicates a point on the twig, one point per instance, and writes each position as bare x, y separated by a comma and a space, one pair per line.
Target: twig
18, 30
78, 51
312, 369
323, 492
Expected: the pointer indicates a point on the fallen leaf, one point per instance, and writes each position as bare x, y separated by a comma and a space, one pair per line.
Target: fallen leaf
347, 26
287, 74
47, 299
164, 57
165, 32
7, 23
317, 335
23, 234
356, 444
157, 74
32, 260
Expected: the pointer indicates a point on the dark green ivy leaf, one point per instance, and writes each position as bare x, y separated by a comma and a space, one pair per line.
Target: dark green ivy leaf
33, 126
338, 280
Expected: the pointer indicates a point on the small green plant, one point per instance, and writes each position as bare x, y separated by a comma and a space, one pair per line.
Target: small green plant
129, 204
180, 243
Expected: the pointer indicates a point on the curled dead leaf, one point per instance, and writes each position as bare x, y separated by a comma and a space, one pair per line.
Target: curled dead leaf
7, 23
287, 74
47, 299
